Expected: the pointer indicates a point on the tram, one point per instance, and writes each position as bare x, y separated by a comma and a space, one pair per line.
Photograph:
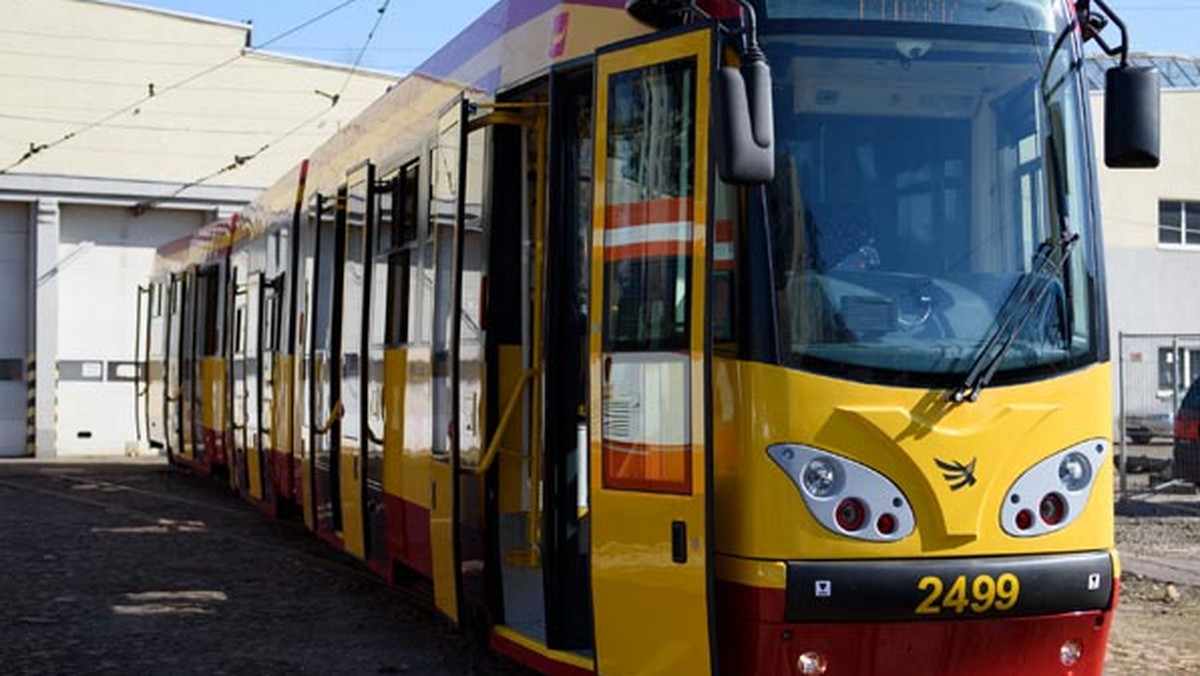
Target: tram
692, 337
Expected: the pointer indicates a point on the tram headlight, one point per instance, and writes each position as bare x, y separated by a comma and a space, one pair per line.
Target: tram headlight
845, 496
821, 477
1075, 471
1054, 492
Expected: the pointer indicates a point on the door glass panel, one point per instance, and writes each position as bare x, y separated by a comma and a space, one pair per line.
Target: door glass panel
352, 310
647, 268
471, 355
442, 207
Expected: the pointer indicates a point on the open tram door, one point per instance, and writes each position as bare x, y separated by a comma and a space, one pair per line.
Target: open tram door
649, 348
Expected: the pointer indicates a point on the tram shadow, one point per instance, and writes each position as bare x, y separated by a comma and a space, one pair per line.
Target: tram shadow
1158, 505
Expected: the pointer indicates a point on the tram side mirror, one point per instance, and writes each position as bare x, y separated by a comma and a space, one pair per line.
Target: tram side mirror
746, 148
1131, 117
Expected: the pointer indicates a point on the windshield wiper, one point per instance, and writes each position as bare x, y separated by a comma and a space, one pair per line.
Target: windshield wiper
1025, 298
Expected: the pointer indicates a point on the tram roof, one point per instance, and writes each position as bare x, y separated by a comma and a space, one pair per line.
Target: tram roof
510, 43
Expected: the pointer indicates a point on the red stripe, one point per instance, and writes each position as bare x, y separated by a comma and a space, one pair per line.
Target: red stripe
649, 212
724, 230
624, 252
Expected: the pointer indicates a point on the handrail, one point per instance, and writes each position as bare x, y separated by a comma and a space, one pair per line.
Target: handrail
335, 414
375, 439
494, 445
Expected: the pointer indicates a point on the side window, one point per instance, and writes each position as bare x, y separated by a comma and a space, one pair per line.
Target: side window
397, 298
724, 273
210, 306
649, 217
397, 228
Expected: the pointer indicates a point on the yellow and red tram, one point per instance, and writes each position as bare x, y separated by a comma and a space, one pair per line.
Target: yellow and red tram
671, 337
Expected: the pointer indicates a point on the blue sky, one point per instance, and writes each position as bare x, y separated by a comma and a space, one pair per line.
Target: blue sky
413, 29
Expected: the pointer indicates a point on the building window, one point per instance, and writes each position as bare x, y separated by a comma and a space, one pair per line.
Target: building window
1178, 222
1177, 369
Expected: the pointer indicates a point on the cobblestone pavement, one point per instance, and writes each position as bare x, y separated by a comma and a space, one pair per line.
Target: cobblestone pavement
132, 568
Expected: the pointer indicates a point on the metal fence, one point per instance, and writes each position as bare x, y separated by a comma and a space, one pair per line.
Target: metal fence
1154, 373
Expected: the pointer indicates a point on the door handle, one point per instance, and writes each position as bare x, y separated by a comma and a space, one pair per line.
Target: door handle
679, 542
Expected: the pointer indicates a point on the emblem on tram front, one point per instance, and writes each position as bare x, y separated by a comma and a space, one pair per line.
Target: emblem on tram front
957, 474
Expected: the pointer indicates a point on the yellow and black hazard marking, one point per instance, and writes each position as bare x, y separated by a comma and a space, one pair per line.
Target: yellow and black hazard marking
31, 403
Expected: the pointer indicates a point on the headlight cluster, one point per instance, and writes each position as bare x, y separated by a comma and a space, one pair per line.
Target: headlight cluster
1053, 493
845, 496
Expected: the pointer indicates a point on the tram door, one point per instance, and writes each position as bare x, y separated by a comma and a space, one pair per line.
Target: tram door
247, 359
173, 401
239, 386
324, 372
648, 356
189, 367
355, 273
443, 223
457, 223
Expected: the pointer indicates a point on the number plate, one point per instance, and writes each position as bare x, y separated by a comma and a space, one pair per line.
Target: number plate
947, 589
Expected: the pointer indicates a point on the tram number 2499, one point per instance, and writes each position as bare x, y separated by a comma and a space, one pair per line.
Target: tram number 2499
980, 594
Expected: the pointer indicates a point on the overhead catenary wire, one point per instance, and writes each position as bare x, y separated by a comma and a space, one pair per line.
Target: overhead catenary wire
241, 160
38, 148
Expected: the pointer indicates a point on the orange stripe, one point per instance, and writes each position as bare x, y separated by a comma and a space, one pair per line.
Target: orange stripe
647, 467
649, 212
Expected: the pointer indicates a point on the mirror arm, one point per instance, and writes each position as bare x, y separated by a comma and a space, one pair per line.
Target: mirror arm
1093, 23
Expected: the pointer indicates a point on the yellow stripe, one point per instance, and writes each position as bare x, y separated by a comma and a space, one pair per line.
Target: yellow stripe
752, 572
549, 653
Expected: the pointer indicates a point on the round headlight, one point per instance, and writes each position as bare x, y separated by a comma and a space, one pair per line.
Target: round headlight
1075, 471
820, 478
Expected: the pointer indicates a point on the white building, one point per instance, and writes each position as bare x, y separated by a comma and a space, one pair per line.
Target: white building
1152, 245
110, 113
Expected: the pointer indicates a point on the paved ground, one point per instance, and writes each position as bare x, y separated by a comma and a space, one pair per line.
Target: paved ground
130, 568
1158, 535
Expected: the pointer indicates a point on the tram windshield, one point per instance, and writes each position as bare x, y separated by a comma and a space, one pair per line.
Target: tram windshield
931, 156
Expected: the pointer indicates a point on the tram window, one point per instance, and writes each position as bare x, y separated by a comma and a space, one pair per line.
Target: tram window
647, 301
724, 277
407, 200
239, 339
385, 213
209, 303
268, 319
398, 295
651, 152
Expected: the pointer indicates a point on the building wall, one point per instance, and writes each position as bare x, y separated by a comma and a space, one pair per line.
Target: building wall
86, 214
68, 63
105, 254
1151, 286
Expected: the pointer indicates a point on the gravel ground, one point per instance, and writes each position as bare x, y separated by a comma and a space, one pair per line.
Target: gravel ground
132, 568
1155, 630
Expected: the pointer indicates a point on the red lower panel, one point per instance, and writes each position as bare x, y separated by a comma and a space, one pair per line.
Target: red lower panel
408, 534
750, 645
324, 500
280, 472
535, 660
215, 448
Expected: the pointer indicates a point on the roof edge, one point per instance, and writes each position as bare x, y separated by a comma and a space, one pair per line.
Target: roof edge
186, 16
319, 63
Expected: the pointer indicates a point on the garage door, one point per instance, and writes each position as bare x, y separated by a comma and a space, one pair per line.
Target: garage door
14, 291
